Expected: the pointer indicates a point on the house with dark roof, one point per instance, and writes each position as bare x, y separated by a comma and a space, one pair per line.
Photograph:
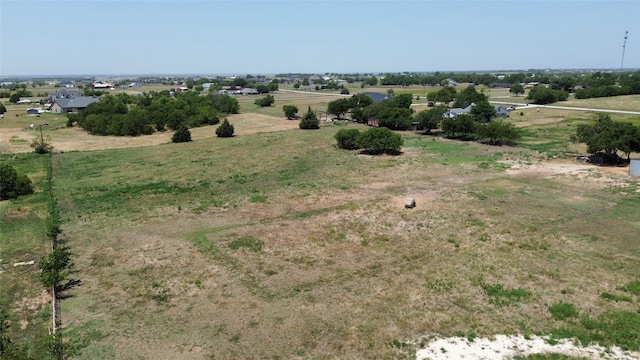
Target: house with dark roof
377, 97
63, 94
72, 105
453, 112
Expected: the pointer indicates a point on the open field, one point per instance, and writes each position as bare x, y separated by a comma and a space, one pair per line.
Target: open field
275, 244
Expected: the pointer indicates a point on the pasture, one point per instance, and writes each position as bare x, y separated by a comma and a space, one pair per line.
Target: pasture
276, 244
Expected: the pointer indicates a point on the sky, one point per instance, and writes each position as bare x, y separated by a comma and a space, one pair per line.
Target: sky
145, 37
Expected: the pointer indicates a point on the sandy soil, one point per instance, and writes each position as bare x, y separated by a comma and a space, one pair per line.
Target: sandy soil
506, 347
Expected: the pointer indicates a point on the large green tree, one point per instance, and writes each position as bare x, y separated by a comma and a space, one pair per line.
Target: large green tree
430, 119
468, 96
460, 127
608, 136
13, 184
542, 95
516, 88
498, 132
339, 107
483, 112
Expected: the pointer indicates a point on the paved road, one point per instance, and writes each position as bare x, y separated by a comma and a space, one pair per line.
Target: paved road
525, 106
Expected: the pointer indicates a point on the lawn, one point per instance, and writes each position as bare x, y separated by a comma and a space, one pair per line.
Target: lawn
276, 244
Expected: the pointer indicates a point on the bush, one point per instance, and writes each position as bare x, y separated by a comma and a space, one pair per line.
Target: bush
348, 139
13, 184
182, 134
290, 111
498, 132
265, 101
309, 120
225, 129
344, 91
562, 310
380, 140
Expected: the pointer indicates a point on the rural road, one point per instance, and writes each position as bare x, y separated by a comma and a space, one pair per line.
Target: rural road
524, 106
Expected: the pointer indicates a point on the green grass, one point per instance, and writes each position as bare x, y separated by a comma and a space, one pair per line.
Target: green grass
280, 245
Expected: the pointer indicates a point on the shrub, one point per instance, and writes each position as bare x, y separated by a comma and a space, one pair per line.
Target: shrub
344, 91
182, 134
309, 120
380, 140
13, 184
562, 310
225, 129
348, 139
498, 132
265, 101
290, 111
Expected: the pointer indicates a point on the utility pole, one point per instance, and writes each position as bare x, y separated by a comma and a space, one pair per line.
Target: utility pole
624, 45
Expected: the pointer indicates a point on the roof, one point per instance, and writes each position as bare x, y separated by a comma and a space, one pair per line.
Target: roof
377, 97
79, 102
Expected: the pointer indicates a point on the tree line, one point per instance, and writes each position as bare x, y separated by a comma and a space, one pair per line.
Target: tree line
125, 115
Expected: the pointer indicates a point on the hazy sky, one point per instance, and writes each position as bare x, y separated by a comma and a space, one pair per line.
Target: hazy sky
267, 37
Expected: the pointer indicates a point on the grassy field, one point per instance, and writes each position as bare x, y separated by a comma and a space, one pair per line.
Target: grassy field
275, 244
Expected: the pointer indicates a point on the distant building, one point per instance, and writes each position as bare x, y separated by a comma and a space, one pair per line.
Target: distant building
377, 97
62, 106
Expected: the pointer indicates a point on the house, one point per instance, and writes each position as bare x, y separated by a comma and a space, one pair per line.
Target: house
62, 106
377, 97
501, 111
500, 85
66, 84
249, 91
63, 94
453, 112
101, 85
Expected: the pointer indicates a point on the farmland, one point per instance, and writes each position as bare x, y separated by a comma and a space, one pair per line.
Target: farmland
276, 244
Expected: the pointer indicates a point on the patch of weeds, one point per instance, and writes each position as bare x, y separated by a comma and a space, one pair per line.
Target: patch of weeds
364, 242
163, 296
258, 198
398, 344
618, 328
614, 297
474, 222
632, 287
533, 244
471, 336
563, 310
484, 237
439, 286
248, 242
270, 272
501, 296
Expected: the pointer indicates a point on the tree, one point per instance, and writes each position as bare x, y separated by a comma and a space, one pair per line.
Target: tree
542, 95
41, 145
3, 109
608, 136
339, 107
14, 98
460, 127
225, 129
430, 119
265, 101
361, 100
347, 139
516, 88
498, 132
468, 96
182, 134
54, 267
290, 111
483, 112
380, 140
309, 120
